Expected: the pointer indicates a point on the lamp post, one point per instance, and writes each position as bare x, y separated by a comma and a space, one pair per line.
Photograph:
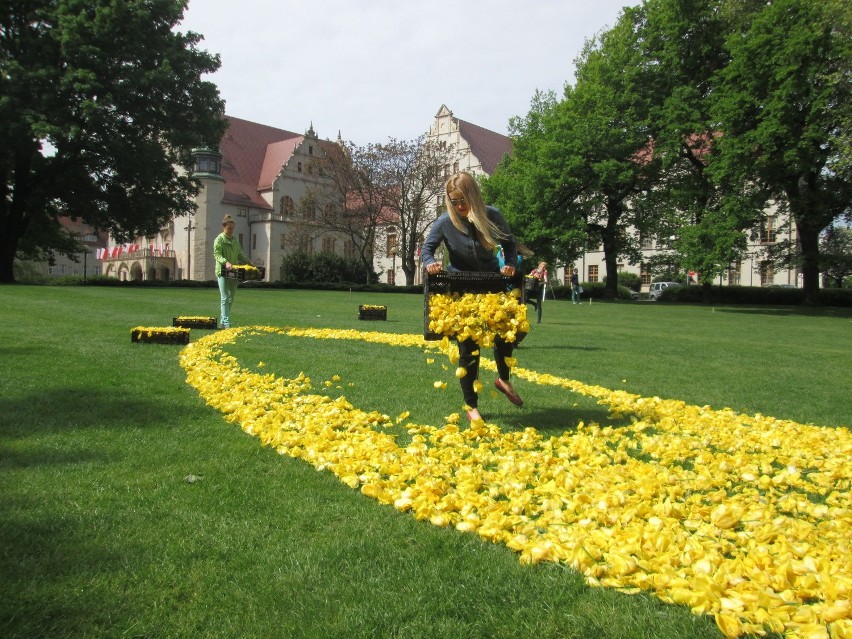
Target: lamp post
393, 253
189, 228
89, 237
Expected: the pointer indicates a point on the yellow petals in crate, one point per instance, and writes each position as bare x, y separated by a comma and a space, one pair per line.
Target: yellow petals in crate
479, 316
244, 272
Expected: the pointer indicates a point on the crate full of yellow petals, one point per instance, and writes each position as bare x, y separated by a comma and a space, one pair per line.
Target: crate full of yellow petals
372, 312
245, 272
459, 304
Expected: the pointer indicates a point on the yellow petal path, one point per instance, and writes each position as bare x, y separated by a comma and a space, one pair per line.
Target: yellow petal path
744, 517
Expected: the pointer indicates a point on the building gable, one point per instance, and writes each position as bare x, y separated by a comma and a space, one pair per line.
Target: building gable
483, 148
489, 147
246, 158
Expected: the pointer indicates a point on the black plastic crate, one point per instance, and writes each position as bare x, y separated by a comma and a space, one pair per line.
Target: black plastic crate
195, 322
447, 282
532, 285
242, 276
138, 336
366, 312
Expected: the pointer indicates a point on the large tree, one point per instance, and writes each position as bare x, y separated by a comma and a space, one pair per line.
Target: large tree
525, 183
351, 195
580, 163
701, 223
782, 103
100, 103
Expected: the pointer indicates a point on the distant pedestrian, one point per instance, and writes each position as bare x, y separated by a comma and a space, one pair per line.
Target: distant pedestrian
575, 287
540, 272
227, 252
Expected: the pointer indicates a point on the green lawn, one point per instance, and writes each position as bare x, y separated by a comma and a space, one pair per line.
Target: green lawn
132, 509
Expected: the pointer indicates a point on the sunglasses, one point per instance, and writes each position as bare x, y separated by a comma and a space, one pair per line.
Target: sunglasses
460, 200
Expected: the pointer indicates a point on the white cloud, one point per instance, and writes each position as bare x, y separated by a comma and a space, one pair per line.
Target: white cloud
375, 69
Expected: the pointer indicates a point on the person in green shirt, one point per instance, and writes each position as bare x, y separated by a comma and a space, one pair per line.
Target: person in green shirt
227, 251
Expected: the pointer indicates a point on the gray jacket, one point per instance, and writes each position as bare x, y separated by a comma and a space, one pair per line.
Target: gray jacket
465, 250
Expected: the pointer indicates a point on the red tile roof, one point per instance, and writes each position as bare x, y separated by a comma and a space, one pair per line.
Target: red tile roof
277, 155
488, 146
249, 151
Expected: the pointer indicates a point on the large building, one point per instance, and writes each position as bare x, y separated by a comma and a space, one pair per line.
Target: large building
262, 177
477, 151
85, 263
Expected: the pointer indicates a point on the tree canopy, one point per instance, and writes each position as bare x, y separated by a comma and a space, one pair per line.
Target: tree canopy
780, 103
580, 162
101, 102
694, 123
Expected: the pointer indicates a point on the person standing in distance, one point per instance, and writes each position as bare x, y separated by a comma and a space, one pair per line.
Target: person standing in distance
575, 287
470, 231
227, 252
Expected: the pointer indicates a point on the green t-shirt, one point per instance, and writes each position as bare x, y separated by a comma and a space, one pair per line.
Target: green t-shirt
227, 249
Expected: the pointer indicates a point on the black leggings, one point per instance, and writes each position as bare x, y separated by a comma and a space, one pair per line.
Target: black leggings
470, 362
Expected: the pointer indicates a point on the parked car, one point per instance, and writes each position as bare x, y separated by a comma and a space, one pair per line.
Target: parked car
657, 289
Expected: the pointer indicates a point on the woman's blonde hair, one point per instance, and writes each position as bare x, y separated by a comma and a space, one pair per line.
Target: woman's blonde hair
465, 183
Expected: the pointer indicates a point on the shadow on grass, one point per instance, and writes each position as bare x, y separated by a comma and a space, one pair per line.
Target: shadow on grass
56, 410
17, 351
46, 456
791, 311
551, 421
50, 551
567, 347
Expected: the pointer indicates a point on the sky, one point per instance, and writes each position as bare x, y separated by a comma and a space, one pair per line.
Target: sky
371, 70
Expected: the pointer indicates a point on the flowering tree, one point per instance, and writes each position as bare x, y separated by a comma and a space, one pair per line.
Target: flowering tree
392, 184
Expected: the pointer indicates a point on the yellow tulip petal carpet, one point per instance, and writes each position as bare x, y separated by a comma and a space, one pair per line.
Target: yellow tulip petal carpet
744, 517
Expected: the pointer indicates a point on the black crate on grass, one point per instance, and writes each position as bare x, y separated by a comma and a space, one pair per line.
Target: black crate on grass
368, 312
156, 336
532, 285
194, 322
244, 276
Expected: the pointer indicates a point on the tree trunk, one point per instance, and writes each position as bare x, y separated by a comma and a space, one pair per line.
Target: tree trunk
8, 248
408, 268
809, 245
611, 247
